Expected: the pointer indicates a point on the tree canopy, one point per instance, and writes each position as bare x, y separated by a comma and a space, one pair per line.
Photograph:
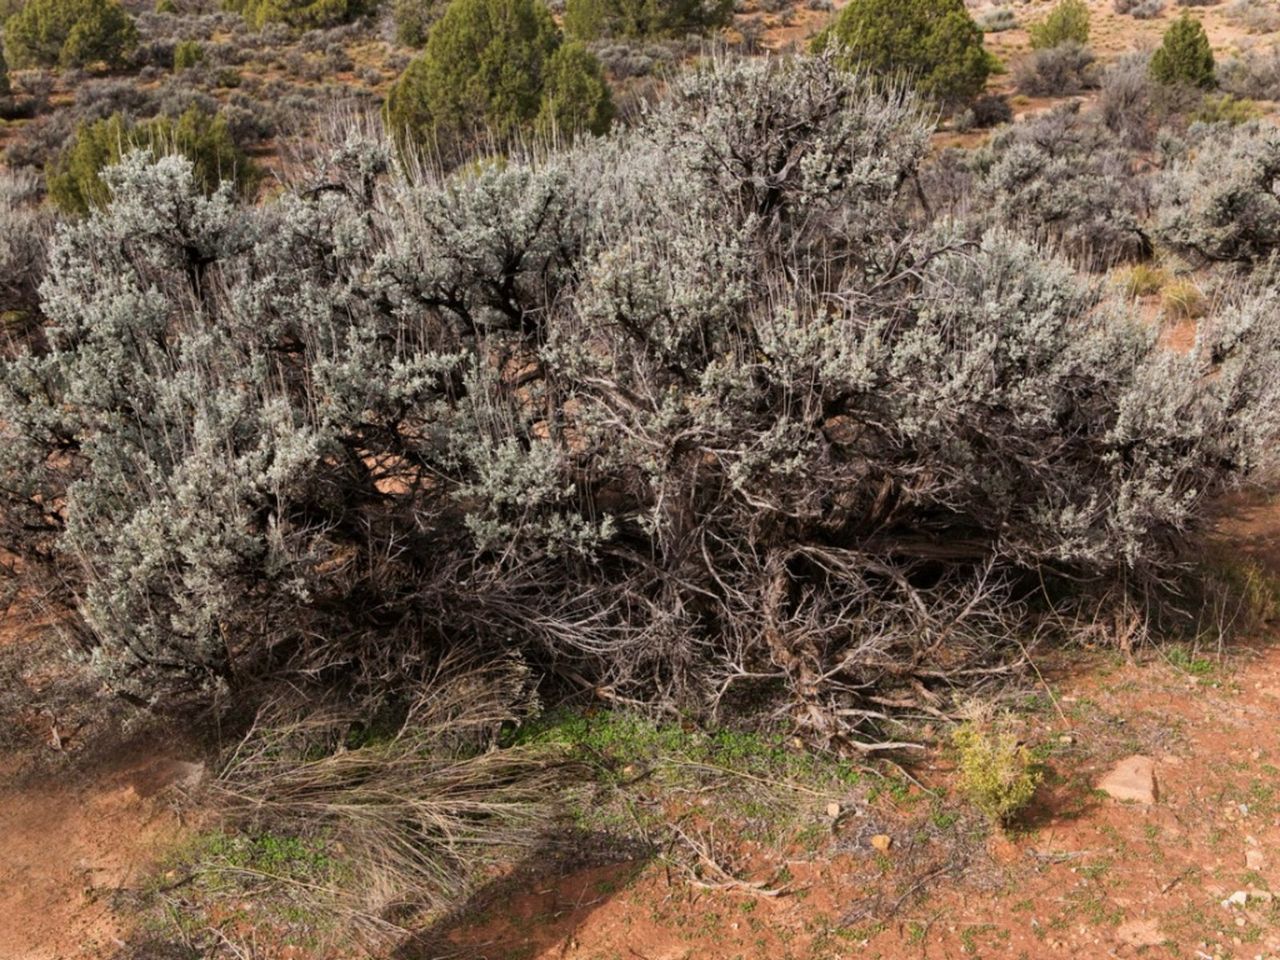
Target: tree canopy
1184, 57
932, 44
74, 177
69, 33
597, 19
491, 71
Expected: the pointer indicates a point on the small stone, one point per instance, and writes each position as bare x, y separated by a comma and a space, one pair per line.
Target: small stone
1133, 779
833, 809
1255, 859
882, 842
1238, 899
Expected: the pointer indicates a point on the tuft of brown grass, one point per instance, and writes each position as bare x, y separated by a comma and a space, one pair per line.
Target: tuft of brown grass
1183, 300
1142, 280
413, 811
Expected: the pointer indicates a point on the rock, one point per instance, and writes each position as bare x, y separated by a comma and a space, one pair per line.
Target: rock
1140, 933
1238, 899
833, 809
1255, 859
1133, 779
882, 842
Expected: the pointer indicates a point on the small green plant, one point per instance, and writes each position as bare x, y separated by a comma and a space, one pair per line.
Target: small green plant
186, 55
1186, 661
1225, 108
1068, 22
1143, 280
1251, 585
998, 774
1184, 57
166, 6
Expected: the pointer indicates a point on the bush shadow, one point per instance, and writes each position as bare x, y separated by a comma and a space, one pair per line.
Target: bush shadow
536, 904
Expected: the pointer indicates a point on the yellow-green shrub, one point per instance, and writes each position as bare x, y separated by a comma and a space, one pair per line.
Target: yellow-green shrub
997, 774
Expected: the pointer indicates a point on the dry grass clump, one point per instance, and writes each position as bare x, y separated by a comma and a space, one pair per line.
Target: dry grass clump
1142, 280
413, 806
1184, 300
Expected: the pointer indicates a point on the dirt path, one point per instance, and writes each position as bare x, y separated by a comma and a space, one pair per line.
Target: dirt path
84, 807
69, 843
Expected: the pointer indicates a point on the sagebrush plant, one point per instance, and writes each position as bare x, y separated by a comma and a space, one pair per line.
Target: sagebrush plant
697, 414
997, 773
1059, 70
996, 20
1219, 202
1063, 179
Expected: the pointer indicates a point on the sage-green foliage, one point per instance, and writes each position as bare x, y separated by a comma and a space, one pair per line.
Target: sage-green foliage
1219, 203
683, 412
187, 54
575, 94
300, 14
1184, 57
589, 20
1062, 180
69, 33
933, 45
1068, 22
491, 71
74, 180
413, 20
997, 773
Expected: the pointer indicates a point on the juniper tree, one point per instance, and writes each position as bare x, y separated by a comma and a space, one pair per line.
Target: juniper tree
74, 180
490, 70
932, 44
1067, 22
1184, 57
69, 33
639, 19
